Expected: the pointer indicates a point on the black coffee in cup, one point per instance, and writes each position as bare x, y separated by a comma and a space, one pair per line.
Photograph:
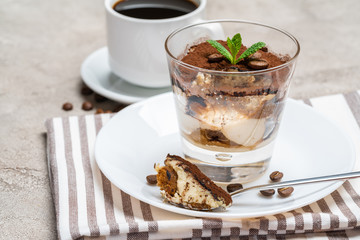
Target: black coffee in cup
154, 9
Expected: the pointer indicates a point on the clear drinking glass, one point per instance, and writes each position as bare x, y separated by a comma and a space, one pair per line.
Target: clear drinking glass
229, 120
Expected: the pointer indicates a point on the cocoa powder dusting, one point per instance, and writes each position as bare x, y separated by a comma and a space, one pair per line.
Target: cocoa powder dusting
198, 56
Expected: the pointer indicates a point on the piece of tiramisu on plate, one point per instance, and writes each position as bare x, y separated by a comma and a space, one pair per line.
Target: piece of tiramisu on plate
183, 184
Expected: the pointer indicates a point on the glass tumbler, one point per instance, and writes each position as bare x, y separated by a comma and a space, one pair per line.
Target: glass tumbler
229, 120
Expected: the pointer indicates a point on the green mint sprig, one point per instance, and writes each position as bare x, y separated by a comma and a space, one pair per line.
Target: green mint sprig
234, 45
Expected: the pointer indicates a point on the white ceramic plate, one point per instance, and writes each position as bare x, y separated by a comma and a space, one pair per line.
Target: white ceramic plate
96, 73
144, 133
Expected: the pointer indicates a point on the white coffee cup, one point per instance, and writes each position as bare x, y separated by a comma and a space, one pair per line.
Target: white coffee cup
136, 46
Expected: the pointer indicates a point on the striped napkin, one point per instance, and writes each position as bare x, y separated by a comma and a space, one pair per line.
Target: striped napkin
88, 205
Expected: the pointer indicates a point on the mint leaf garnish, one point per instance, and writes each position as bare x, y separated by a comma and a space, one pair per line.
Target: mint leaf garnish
237, 41
221, 49
251, 50
234, 45
232, 48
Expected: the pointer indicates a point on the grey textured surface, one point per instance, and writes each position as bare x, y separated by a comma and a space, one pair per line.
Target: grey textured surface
43, 43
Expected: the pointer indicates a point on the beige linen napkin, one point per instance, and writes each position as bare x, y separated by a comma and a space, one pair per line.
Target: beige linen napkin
88, 205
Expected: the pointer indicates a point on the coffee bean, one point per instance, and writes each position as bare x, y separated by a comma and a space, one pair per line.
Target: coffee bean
233, 69
258, 64
151, 179
285, 58
268, 192
255, 56
285, 192
85, 90
99, 111
215, 58
87, 106
67, 106
108, 111
264, 49
234, 187
99, 98
276, 176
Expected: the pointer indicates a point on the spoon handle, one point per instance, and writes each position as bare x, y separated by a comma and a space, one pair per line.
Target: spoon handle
340, 176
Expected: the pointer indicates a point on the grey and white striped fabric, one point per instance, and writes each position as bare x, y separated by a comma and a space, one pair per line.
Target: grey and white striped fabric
88, 206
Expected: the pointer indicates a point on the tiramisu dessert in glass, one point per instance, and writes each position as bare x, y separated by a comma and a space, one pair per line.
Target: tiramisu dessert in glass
230, 81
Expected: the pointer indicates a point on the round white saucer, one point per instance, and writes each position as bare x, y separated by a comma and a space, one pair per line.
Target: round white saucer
96, 73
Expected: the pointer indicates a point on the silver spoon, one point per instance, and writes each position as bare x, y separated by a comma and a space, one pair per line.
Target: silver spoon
340, 176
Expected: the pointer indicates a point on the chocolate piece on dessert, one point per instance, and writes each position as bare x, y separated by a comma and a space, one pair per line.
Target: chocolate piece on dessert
182, 183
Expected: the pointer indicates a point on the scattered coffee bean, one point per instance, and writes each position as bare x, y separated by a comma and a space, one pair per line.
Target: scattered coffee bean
276, 176
67, 106
85, 90
285, 192
151, 179
99, 98
99, 111
268, 192
87, 106
234, 187
215, 58
264, 49
258, 64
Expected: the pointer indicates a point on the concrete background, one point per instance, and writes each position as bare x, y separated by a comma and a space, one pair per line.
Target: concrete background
43, 43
